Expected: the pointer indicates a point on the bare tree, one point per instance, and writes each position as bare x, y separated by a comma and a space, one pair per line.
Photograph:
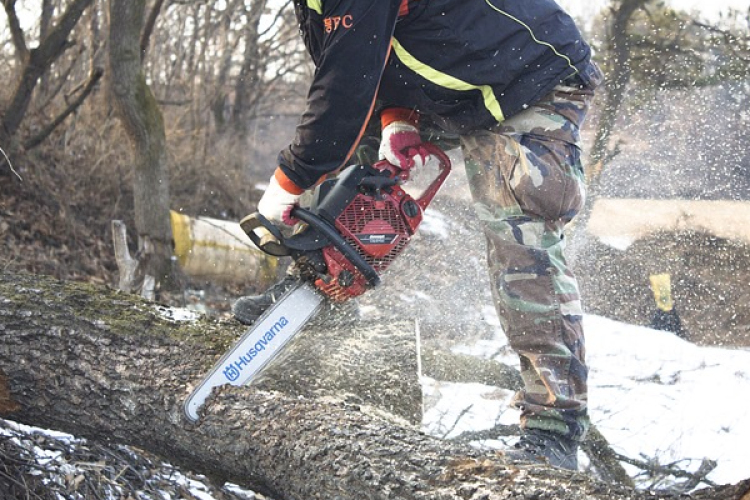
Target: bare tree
143, 123
250, 71
619, 48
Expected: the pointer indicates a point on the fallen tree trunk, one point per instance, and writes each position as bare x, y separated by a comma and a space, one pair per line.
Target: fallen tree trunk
107, 366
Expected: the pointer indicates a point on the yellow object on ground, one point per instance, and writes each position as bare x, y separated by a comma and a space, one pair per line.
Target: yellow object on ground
219, 251
661, 285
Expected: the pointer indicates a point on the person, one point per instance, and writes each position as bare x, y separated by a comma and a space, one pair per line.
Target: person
512, 81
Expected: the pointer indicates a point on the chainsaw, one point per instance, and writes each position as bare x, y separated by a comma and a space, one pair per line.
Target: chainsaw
354, 228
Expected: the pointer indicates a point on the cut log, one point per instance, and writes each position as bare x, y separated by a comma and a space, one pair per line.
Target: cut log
441, 364
336, 356
220, 252
110, 367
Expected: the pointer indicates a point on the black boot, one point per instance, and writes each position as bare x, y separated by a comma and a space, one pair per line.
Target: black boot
248, 309
538, 446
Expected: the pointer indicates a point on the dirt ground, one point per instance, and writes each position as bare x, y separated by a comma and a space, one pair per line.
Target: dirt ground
710, 283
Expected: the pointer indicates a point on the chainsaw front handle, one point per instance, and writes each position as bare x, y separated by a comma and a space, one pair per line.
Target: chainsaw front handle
265, 235
329, 232
268, 238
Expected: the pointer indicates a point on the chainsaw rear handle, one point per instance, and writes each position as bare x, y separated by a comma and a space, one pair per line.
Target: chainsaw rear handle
267, 237
426, 149
444, 168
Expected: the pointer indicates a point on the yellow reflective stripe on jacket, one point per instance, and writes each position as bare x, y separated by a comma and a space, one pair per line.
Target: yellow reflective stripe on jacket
316, 5
447, 81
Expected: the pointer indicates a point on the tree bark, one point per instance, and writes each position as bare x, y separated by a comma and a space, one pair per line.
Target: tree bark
108, 367
144, 124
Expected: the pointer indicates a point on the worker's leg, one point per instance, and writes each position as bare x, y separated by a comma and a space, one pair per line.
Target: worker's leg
527, 185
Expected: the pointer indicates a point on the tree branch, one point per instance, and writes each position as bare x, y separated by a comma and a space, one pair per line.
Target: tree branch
148, 28
39, 61
62, 79
653, 468
732, 40
74, 105
19, 39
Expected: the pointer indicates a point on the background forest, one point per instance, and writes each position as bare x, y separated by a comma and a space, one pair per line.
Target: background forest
215, 84
183, 105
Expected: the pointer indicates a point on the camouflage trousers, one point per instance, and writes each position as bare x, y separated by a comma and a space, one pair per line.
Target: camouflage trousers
527, 184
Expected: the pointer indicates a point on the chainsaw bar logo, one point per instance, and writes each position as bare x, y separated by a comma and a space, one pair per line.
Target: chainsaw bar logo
233, 370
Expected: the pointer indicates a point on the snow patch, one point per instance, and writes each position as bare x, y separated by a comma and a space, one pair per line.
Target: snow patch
621, 243
651, 394
177, 313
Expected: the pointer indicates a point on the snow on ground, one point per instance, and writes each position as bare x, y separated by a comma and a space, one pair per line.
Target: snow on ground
651, 395
657, 395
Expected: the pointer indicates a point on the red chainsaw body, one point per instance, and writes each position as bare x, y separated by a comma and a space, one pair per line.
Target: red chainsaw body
378, 225
379, 230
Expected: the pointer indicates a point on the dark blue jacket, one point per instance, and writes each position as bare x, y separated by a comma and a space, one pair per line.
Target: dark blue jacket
468, 64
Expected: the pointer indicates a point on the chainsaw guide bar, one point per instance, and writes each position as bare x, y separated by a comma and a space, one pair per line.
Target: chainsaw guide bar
259, 344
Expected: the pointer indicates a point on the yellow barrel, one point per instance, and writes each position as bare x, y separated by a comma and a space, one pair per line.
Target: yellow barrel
219, 251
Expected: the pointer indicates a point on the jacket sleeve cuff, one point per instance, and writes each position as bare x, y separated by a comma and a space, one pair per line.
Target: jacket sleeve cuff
286, 184
390, 115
